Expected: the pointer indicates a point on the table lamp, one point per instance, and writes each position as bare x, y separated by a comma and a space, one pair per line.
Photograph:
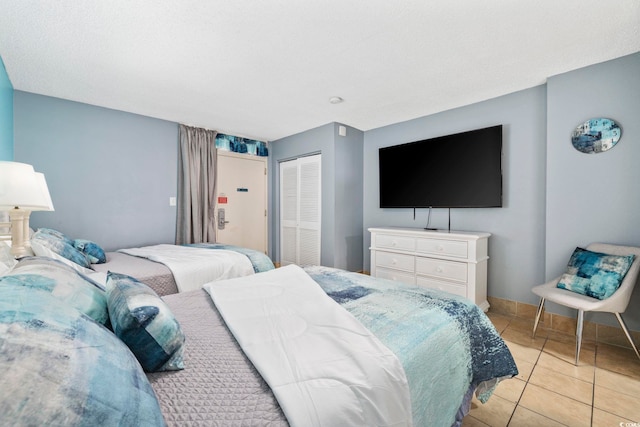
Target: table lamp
22, 190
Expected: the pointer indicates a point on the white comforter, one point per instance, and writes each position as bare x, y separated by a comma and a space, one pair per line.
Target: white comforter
193, 267
324, 367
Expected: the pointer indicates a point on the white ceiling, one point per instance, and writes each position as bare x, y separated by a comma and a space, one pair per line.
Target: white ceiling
266, 69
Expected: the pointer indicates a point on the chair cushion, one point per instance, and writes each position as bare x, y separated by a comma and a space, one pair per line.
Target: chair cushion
595, 274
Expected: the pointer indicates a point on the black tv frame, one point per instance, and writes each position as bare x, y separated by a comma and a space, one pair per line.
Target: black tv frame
461, 170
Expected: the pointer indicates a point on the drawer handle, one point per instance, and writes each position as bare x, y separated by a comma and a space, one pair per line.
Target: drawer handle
439, 269
394, 261
440, 248
394, 243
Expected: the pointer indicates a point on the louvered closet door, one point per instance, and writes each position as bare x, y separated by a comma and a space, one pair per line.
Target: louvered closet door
300, 211
288, 212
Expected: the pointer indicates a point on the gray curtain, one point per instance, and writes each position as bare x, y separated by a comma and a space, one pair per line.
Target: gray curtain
197, 166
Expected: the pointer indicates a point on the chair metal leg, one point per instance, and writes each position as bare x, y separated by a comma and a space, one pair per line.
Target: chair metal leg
538, 313
579, 334
626, 332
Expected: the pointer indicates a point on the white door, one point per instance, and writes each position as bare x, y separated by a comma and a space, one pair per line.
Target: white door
300, 211
241, 208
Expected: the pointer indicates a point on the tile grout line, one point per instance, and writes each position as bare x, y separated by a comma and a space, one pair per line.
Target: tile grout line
527, 383
600, 361
593, 392
546, 340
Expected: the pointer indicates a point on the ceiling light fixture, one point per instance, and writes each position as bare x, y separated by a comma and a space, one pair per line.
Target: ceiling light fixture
336, 100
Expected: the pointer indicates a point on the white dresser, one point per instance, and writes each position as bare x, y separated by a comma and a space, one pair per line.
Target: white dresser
454, 261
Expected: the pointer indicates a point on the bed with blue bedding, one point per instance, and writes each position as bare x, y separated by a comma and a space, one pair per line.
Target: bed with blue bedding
67, 341
159, 266
448, 347
446, 344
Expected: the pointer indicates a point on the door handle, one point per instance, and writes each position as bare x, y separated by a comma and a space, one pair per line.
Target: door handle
221, 219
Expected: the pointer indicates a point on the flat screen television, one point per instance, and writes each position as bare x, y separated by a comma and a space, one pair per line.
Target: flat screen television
463, 170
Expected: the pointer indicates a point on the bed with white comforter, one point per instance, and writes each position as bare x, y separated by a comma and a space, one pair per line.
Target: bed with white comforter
275, 349
169, 269
297, 347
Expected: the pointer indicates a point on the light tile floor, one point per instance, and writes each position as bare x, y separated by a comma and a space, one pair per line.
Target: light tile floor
604, 390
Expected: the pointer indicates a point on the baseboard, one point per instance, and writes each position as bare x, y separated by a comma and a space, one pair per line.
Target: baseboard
563, 324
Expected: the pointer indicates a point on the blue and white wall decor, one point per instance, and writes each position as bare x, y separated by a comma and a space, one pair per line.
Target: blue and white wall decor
596, 136
241, 145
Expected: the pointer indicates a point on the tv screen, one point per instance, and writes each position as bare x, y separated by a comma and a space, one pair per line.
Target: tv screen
462, 170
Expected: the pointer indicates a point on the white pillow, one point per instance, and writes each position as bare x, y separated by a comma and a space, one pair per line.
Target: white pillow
7, 260
41, 250
98, 277
4, 269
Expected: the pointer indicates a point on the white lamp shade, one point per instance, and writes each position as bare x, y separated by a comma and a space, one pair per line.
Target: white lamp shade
21, 187
42, 183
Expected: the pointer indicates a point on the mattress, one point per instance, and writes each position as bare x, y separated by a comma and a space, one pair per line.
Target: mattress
219, 386
154, 274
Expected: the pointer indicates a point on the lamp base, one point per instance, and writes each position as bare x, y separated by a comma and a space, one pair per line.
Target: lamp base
20, 232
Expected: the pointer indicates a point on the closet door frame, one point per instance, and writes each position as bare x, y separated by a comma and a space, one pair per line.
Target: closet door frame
300, 210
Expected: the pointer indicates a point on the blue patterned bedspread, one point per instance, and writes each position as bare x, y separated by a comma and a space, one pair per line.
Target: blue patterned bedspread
259, 260
445, 343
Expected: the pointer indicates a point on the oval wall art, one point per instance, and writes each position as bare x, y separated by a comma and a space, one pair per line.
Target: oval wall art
596, 136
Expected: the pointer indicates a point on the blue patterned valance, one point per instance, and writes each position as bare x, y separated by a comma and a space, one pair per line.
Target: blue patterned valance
241, 145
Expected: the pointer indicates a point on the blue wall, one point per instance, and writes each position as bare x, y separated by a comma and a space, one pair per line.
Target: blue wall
555, 198
341, 234
6, 115
516, 246
593, 197
110, 173
348, 183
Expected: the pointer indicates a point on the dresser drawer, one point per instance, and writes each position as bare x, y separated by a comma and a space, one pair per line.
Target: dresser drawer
401, 243
450, 270
452, 288
454, 262
395, 275
393, 260
453, 248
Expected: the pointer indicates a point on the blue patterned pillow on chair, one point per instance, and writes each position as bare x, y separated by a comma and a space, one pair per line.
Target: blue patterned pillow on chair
144, 322
595, 274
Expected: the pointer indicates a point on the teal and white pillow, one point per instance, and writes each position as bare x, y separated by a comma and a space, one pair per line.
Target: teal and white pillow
59, 367
59, 244
57, 234
143, 321
595, 274
92, 250
46, 275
